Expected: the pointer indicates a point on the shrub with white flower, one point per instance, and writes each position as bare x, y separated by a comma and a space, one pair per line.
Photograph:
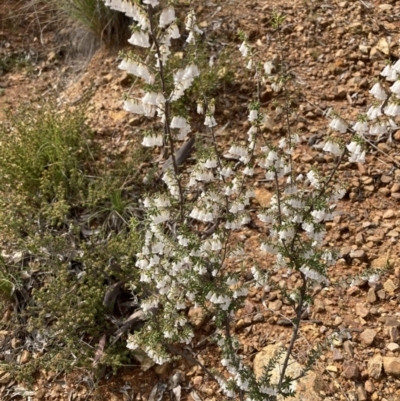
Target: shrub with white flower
187, 241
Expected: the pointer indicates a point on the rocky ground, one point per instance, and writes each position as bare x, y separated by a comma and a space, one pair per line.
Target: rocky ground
335, 50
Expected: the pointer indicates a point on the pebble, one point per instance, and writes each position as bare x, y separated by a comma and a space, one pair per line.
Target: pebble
350, 370
362, 310
375, 366
367, 337
371, 296
391, 365
393, 347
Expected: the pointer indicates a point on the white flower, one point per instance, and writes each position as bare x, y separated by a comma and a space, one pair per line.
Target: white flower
378, 92
357, 155
210, 121
167, 16
392, 109
211, 163
248, 171
319, 215
200, 108
313, 178
395, 88
361, 127
244, 49
139, 38
338, 125
390, 73
133, 106
150, 141
226, 172
153, 3
268, 67
313, 275
396, 66
374, 112
253, 115
332, 147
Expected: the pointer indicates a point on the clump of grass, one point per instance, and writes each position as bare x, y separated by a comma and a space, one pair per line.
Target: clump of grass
65, 223
110, 26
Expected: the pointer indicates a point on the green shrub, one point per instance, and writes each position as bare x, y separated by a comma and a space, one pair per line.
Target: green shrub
65, 223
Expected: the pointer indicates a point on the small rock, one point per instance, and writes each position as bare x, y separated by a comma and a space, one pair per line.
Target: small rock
350, 370
357, 253
361, 393
388, 214
393, 347
275, 305
375, 366
5, 377
353, 291
197, 380
197, 317
389, 286
337, 356
319, 306
367, 337
371, 297
362, 310
258, 317
163, 369
391, 365
392, 322
393, 334
369, 386
263, 197
332, 368
385, 179
348, 348
25, 357
40, 393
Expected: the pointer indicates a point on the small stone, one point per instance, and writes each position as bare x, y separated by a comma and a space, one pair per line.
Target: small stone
337, 356
348, 348
25, 357
350, 370
369, 386
263, 196
375, 366
353, 290
357, 253
163, 369
197, 317
5, 377
391, 365
338, 321
362, 310
275, 305
371, 297
197, 380
15, 343
258, 317
319, 306
388, 214
361, 393
393, 334
332, 368
389, 286
392, 322
385, 179
393, 347
40, 393
381, 294
367, 337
